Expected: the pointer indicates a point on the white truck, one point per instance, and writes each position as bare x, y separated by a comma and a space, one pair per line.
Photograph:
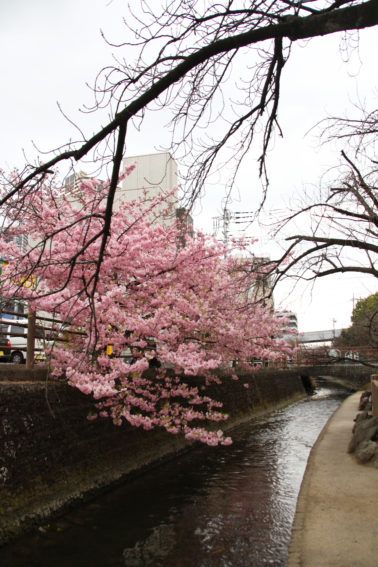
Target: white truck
15, 334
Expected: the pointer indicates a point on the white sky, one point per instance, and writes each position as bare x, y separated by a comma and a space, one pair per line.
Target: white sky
50, 49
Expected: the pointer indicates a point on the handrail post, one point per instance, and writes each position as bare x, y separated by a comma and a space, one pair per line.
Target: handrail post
30, 341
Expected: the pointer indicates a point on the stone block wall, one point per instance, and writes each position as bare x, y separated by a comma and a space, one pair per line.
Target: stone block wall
374, 394
52, 456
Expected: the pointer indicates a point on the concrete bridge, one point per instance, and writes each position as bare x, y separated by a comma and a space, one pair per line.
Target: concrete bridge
318, 336
351, 376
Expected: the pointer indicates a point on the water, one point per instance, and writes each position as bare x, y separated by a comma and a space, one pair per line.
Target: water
214, 507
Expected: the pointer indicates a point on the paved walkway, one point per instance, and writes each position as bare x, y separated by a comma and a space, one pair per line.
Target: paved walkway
336, 522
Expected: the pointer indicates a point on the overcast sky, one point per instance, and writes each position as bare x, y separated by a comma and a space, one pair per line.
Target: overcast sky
50, 49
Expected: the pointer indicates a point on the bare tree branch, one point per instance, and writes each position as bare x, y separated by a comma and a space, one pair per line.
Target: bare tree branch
344, 236
322, 23
180, 58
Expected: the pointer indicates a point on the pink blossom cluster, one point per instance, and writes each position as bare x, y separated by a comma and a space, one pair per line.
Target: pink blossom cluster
179, 308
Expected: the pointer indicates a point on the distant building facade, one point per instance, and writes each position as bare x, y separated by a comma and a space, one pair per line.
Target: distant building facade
154, 175
257, 280
290, 336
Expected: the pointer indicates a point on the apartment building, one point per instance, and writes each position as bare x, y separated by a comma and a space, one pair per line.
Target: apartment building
154, 175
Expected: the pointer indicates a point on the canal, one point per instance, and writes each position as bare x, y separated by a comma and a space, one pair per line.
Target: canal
212, 507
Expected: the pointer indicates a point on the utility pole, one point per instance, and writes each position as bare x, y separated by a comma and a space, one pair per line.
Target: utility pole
333, 323
227, 216
224, 221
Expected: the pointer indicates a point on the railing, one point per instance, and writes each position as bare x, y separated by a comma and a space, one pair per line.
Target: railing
42, 328
49, 329
337, 355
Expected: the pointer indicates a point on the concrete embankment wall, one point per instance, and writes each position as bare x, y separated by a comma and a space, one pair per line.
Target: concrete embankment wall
52, 457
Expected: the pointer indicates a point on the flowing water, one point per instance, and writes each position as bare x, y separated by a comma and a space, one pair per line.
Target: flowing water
213, 507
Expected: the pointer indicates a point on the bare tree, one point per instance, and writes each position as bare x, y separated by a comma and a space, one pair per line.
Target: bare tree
182, 58
336, 230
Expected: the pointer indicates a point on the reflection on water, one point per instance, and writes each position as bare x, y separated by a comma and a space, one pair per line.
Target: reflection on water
214, 507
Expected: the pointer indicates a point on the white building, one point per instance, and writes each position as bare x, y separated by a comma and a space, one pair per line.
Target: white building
256, 279
154, 175
291, 325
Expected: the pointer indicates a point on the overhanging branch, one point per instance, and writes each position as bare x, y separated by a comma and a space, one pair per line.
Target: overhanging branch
291, 27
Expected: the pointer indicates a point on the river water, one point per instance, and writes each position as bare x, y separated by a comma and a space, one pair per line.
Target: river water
213, 507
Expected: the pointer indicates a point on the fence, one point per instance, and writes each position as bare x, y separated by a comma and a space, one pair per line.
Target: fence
339, 355
41, 332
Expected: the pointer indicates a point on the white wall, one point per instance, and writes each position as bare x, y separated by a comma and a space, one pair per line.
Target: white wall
154, 174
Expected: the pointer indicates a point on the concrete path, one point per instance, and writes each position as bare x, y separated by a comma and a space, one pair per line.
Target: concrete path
336, 522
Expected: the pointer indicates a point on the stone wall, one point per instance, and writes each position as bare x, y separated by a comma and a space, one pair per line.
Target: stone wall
52, 457
353, 376
374, 394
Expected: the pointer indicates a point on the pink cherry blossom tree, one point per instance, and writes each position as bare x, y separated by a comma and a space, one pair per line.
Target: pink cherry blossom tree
149, 302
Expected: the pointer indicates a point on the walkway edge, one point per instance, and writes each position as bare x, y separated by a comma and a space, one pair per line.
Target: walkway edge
336, 523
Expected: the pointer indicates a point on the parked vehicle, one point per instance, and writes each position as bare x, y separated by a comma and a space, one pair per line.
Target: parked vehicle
5, 348
15, 333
